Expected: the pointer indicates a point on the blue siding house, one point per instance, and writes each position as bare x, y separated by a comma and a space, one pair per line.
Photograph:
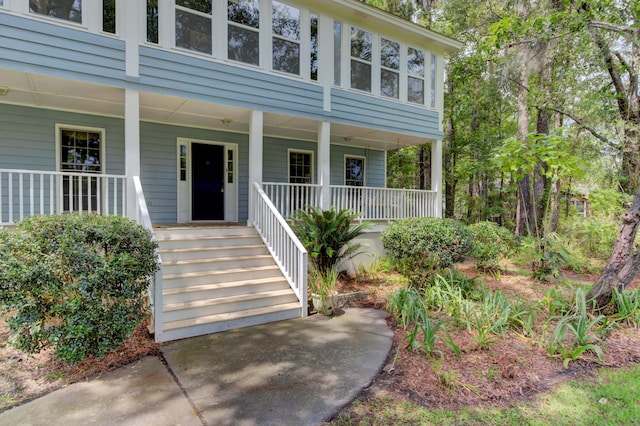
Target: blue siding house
190, 114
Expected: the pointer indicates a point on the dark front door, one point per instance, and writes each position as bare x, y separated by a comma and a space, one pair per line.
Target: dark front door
207, 191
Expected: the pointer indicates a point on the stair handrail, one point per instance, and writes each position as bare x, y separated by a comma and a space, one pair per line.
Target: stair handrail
154, 291
283, 244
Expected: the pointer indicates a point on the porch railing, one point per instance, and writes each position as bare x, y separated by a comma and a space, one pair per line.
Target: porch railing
289, 197
154, 291
284, 246
33, 192
384, 203
368, 202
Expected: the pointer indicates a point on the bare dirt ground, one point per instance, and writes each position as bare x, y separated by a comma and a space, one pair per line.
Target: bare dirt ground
511, 369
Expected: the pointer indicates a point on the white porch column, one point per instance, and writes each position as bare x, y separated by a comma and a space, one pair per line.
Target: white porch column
131, 146
324, 163
256, 120
436, 174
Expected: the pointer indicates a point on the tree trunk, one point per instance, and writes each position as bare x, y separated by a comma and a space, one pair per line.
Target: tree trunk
624, 264
449, 160
524, 193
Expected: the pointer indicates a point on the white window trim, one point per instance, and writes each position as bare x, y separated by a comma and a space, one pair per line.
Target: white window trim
364, 172
24, 8
103, 142
312, 163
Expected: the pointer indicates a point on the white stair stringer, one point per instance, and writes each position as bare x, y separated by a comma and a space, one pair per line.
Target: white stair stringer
217, 279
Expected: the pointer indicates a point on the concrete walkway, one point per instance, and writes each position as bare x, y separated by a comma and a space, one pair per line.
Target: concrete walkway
297, 372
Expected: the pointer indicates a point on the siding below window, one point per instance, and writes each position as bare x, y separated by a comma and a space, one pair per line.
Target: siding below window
33, 46
368, 111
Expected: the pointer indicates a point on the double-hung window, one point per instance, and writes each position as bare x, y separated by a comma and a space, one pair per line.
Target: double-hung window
193, 25
361, 57
390, 69
415, 76
300, 167
81, 152
314, 47
243, 32
286, 38
432, 102
109, 16
67, 10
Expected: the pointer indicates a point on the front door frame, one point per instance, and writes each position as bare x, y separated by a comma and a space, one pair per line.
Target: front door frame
184, 179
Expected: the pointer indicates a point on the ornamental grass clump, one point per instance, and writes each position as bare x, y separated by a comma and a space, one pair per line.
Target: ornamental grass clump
74, 283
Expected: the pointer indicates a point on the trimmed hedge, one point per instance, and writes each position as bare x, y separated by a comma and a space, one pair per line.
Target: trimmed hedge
74, 282
430, 242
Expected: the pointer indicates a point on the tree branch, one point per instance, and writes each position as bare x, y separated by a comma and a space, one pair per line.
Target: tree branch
581, 123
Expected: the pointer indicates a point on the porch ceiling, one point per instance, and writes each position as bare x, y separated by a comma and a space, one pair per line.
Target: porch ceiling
62, 94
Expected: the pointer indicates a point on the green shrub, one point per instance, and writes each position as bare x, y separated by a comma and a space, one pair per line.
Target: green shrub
74, 282
427, 244
491, 244
327, 235
595, 236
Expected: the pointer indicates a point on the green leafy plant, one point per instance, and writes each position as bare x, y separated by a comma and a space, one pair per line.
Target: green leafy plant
322, 285
627, 304
327, 235
425, 245
491, 244
74, 282
578, 331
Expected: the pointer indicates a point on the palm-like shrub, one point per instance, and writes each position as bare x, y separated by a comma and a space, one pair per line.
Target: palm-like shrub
327, 235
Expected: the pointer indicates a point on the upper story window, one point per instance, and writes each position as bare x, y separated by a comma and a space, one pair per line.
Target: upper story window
152, 21
337, 53
432, 102
69, 10
109, 16
286, 38
390, 69
193, 25
243, 32
314, 47
415, 76
361, 57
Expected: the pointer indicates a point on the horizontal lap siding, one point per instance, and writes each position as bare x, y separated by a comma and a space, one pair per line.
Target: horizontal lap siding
34, 46
158, 151
374, 165
368, 111
206, 80
28, 140
276, 158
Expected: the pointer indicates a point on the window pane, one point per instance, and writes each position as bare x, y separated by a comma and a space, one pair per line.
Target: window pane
415, 62
299, 167
193, 32
286, 56
152, 21
361, 76
244, 45
337, 53
245, 12
314, 47
203, 6
67, 10
433, 81
416, 90
109, 16
354, 171
390, 84
361, 44
390, 54
286, 21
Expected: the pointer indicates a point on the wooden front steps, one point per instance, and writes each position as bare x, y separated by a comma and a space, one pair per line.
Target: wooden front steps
219, 278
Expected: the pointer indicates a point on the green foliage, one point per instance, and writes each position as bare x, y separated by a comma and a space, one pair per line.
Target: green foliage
407, 304
594, 235
427, 244
578, 331
627, 303
491, 244
326, 234
323, 283
74, 282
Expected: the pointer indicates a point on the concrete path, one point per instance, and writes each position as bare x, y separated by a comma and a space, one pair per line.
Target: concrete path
297, 372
